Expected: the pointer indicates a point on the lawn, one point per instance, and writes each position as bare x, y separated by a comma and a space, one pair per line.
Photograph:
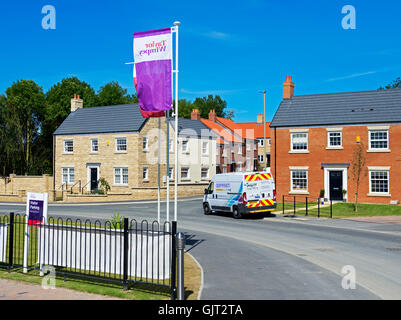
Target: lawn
346, 210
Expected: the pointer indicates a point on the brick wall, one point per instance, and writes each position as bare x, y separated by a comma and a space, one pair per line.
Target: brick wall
318, 153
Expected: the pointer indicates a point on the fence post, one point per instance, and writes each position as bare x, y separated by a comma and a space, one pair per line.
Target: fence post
294, 206
11, 243
331, 209
306, 202
180, 254
125, 268
283, 204
173, 260
318, 207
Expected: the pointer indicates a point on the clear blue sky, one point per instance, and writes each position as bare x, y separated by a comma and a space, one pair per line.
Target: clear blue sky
231, 48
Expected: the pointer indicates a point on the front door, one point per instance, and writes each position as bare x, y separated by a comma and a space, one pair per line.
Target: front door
336, 185
93, 178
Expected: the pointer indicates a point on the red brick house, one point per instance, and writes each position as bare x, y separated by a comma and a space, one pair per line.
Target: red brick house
313, 138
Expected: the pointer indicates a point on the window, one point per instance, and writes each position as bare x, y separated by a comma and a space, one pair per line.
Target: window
171, 173
248, 165
379, 182
239, 149
261, 158
145, 173
224, 151
68, 146
378, 139
239, 167
268, 142
299, 180
184, 173
94, 145
145, 143
205, 147
205, 173
184, 146
170, 145
121, 144
261, 142
224, 169
121, 176
68, 175
334, 138
299, 141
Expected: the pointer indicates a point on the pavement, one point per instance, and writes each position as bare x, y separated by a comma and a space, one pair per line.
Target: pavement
378, 219
17, 290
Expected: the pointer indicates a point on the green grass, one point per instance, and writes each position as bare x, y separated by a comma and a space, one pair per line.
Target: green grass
346, 210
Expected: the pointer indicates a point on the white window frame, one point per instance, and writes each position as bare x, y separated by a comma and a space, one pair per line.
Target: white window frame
186, 146
69, 181
145, 144
117, 145
207, 173
379, 169
239, 149
370, 140
145, 170
299, 191
239, 167
261, 142
97, 145
121, 176
329, 145
260, 156
171, 173
171, 145
205, 151
65, 146
292, 144
188, 175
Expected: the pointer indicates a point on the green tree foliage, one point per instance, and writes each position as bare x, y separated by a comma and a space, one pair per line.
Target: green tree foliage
204, 104
113, 94
24, 113
394, 84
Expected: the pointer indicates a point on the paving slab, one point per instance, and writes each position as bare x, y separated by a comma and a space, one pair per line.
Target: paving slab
18, 290
378, 219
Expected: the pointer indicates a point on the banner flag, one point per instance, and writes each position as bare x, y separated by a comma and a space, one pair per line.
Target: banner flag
153, 68
147, 114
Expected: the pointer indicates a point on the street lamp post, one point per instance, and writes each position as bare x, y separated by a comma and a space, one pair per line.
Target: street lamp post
264, 126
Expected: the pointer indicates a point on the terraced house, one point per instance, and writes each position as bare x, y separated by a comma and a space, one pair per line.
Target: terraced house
116, 143
314, 139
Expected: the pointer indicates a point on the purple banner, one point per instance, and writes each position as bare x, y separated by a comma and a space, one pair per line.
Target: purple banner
153, 66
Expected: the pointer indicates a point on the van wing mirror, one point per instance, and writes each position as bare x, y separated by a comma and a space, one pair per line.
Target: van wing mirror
206, 191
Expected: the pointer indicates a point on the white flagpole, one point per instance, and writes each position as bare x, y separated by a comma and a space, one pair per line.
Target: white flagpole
176, 23
158, 178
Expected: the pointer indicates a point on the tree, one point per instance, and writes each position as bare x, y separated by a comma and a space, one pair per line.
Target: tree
230, 114
358, 168
112, 94
208, 103
394, 84
24, 112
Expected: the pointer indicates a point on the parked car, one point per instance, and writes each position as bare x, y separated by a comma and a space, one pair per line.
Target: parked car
240, 193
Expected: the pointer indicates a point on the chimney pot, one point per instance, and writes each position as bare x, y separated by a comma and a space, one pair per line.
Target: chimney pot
260, 118
195, 114
76, 103
212, 115
288, 88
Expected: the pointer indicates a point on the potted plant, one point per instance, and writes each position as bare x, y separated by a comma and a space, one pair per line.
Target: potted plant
321, 196
344, 195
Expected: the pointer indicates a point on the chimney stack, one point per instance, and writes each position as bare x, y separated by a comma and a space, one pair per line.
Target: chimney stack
260, 118
195, 114
212, 115
288, 88
76, 103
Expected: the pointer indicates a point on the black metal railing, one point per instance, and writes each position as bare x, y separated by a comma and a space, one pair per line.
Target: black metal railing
308, 206
126, 252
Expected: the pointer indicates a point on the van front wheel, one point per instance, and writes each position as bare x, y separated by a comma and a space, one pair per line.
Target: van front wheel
206, 209
236, 213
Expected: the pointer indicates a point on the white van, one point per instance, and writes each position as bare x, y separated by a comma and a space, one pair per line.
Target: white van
240, 193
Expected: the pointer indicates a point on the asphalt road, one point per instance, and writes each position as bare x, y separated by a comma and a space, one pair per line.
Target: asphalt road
273, 257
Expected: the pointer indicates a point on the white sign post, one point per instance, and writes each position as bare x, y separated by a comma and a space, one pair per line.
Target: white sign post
36, 213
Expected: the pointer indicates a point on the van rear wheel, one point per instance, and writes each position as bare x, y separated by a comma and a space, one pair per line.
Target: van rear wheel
236, 213
206, 209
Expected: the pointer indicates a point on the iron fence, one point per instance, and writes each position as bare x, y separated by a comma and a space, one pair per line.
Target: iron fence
127, 252
308, 206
